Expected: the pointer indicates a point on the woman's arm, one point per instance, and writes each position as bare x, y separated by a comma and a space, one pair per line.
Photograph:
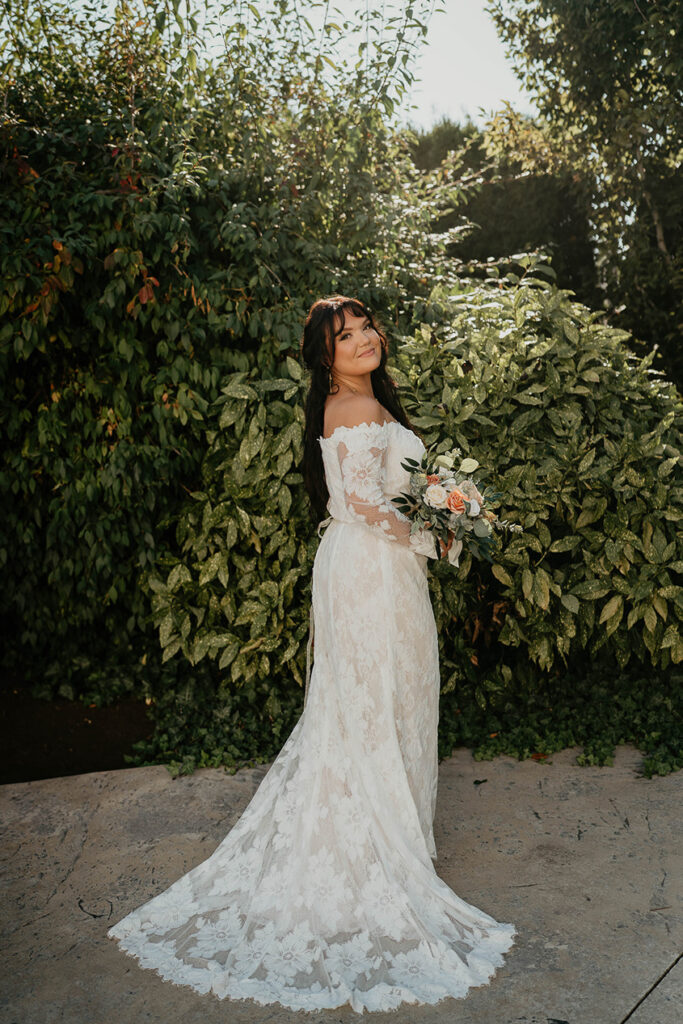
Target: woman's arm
362, 461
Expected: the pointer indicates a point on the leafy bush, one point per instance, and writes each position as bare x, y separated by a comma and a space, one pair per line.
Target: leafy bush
178, 213
583, 443
606, 81
586, 445
512, 203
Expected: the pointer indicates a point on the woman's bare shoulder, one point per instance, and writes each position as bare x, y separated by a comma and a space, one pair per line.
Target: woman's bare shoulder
351, 410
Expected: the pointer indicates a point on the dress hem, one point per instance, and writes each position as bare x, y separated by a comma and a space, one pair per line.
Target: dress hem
487, 956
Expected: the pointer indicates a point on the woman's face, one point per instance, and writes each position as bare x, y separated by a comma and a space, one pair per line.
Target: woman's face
358, 348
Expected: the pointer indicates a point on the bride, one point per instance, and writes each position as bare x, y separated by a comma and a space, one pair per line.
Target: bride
324, 892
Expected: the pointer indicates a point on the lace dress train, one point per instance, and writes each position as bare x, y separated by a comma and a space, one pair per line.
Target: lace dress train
324, 892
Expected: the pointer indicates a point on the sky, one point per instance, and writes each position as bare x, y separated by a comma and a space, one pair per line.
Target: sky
462, 68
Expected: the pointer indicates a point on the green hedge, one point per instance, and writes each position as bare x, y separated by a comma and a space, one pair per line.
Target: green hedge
584, 442
158, 253
166, 222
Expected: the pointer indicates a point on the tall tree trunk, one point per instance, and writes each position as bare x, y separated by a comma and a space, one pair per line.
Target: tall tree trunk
659, 227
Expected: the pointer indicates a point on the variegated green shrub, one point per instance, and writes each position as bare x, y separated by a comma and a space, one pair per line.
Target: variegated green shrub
585, 444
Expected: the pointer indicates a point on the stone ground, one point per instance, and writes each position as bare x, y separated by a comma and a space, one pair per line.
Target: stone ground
587, 863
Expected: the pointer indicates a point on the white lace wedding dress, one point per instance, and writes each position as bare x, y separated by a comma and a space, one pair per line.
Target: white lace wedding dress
324, 892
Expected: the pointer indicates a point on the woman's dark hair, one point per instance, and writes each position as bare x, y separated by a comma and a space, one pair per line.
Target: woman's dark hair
324, 322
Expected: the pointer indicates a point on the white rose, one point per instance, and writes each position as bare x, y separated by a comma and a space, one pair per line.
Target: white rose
436, 496
474, 507
444, 460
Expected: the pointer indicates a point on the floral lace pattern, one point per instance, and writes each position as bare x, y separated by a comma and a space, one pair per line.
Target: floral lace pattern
366, 472
324, 892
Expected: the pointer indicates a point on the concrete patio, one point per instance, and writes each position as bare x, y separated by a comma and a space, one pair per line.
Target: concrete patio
587, 862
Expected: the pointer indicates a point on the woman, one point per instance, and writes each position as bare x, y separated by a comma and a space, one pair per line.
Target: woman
324, 892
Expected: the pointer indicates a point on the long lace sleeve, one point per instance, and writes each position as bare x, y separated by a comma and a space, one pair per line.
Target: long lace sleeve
362, 471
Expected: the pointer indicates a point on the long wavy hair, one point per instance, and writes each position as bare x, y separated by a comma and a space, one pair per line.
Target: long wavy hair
324, 322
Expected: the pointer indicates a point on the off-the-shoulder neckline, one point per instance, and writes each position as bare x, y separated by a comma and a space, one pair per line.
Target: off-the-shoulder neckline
357, 426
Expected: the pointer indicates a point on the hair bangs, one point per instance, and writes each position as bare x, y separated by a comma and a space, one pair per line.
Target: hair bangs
353, 306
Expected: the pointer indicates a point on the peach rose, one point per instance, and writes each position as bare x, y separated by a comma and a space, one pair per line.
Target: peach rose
433, 478
456, 500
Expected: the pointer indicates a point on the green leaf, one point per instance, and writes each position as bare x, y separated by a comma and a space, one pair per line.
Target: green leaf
570, 602
237, 389
650, 619
178, 575
613, 606
540, 590
166, 629
591, 590
294, 369
172, 648
500, 574
210, 569
567, 543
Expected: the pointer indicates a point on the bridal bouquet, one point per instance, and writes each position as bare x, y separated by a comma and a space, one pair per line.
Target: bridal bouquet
444, 499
